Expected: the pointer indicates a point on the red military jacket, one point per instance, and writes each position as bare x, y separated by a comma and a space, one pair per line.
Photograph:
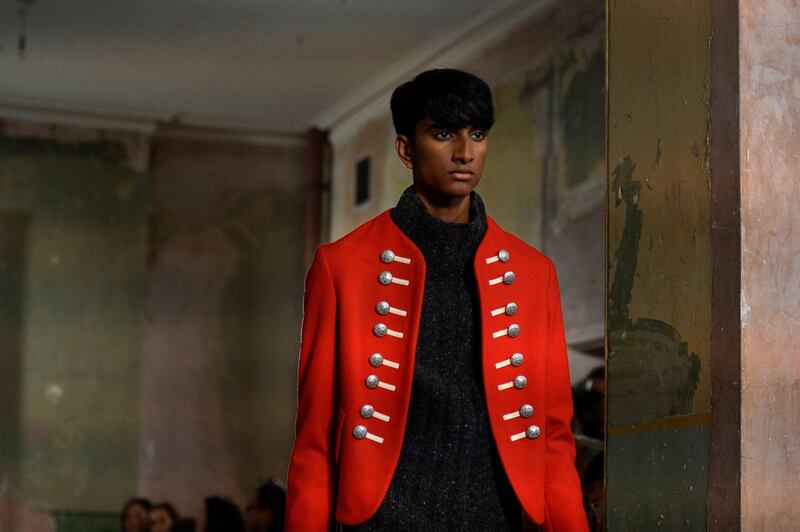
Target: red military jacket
363, 302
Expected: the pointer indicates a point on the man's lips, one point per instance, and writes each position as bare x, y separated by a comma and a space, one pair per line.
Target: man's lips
461, 174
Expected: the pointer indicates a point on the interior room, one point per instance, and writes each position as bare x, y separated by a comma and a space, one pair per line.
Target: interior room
168, 170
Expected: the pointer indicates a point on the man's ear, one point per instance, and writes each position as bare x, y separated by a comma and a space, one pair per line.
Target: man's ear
405, 150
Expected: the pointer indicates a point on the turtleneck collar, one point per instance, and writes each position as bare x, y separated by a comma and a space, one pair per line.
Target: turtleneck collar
437, 238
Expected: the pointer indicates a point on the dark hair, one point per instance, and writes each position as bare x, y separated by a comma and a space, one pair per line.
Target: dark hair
451, 98
134, 501
167, 507
223, 516
271, 496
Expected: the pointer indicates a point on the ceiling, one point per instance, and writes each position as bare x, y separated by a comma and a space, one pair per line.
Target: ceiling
273, 65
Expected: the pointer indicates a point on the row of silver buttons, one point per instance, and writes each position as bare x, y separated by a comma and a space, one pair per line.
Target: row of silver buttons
512, 331
377, 360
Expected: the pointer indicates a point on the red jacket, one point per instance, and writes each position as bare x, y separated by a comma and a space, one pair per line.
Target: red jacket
342, 462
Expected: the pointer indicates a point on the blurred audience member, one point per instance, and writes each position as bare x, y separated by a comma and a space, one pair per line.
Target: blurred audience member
267, 507
220, 515
588, 397
594, 494
162, 516
135, 515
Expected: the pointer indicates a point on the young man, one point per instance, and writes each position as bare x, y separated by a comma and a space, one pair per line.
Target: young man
433, 383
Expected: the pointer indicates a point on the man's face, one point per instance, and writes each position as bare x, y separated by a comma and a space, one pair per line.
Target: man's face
447, 164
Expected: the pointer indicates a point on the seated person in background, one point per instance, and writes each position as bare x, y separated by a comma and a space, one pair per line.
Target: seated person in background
220, 515
588, 397
266, 509
135, 515
595, 494
162, 516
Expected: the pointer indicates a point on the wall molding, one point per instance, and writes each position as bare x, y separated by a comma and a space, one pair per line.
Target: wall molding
166, 130
160, 127
32, 111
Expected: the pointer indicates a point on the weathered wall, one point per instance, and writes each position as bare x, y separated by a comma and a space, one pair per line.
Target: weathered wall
659, 293
545, 170
72, 249
770, 301
150, 296
224, 297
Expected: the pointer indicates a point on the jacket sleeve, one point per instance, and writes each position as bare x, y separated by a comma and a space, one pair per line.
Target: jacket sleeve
311, 485
563, 500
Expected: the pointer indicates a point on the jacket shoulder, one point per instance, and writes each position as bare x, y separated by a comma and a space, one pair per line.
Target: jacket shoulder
353, 243
515, 244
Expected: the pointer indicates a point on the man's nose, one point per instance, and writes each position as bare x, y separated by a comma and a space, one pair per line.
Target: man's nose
462, 151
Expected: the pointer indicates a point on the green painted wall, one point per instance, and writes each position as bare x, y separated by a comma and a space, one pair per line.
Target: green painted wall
69, 522
659, 271
72, 221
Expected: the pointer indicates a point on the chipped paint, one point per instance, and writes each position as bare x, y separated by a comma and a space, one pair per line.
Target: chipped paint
745, 309
585, 94
658, 152
659, 306
654, 375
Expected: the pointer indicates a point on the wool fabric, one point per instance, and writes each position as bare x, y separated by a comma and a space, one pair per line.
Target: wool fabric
449, 476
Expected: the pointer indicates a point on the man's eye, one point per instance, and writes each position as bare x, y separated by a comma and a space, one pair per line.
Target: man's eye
442, 135
479, 135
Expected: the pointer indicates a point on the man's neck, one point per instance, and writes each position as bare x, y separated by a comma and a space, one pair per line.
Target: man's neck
451, 209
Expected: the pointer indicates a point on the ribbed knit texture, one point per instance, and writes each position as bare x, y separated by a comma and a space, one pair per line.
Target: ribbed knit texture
449, 476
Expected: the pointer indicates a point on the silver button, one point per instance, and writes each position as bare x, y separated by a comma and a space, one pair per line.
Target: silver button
368, 410
517, 359
387, 256
382, 308
385, 278
360, 432
533, 432
503, 255
526, 411
508, 277
513, 330
380, 329
519, 382
375, 360
372, 381
511, 309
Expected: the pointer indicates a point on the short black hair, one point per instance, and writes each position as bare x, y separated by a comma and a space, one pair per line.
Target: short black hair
451, 98
271, 496
167, 507
130, 503
222, 515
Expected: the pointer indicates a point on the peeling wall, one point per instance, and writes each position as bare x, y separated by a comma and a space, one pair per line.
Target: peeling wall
72, 248
544, 175
770, 313
223, 307
659, 293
